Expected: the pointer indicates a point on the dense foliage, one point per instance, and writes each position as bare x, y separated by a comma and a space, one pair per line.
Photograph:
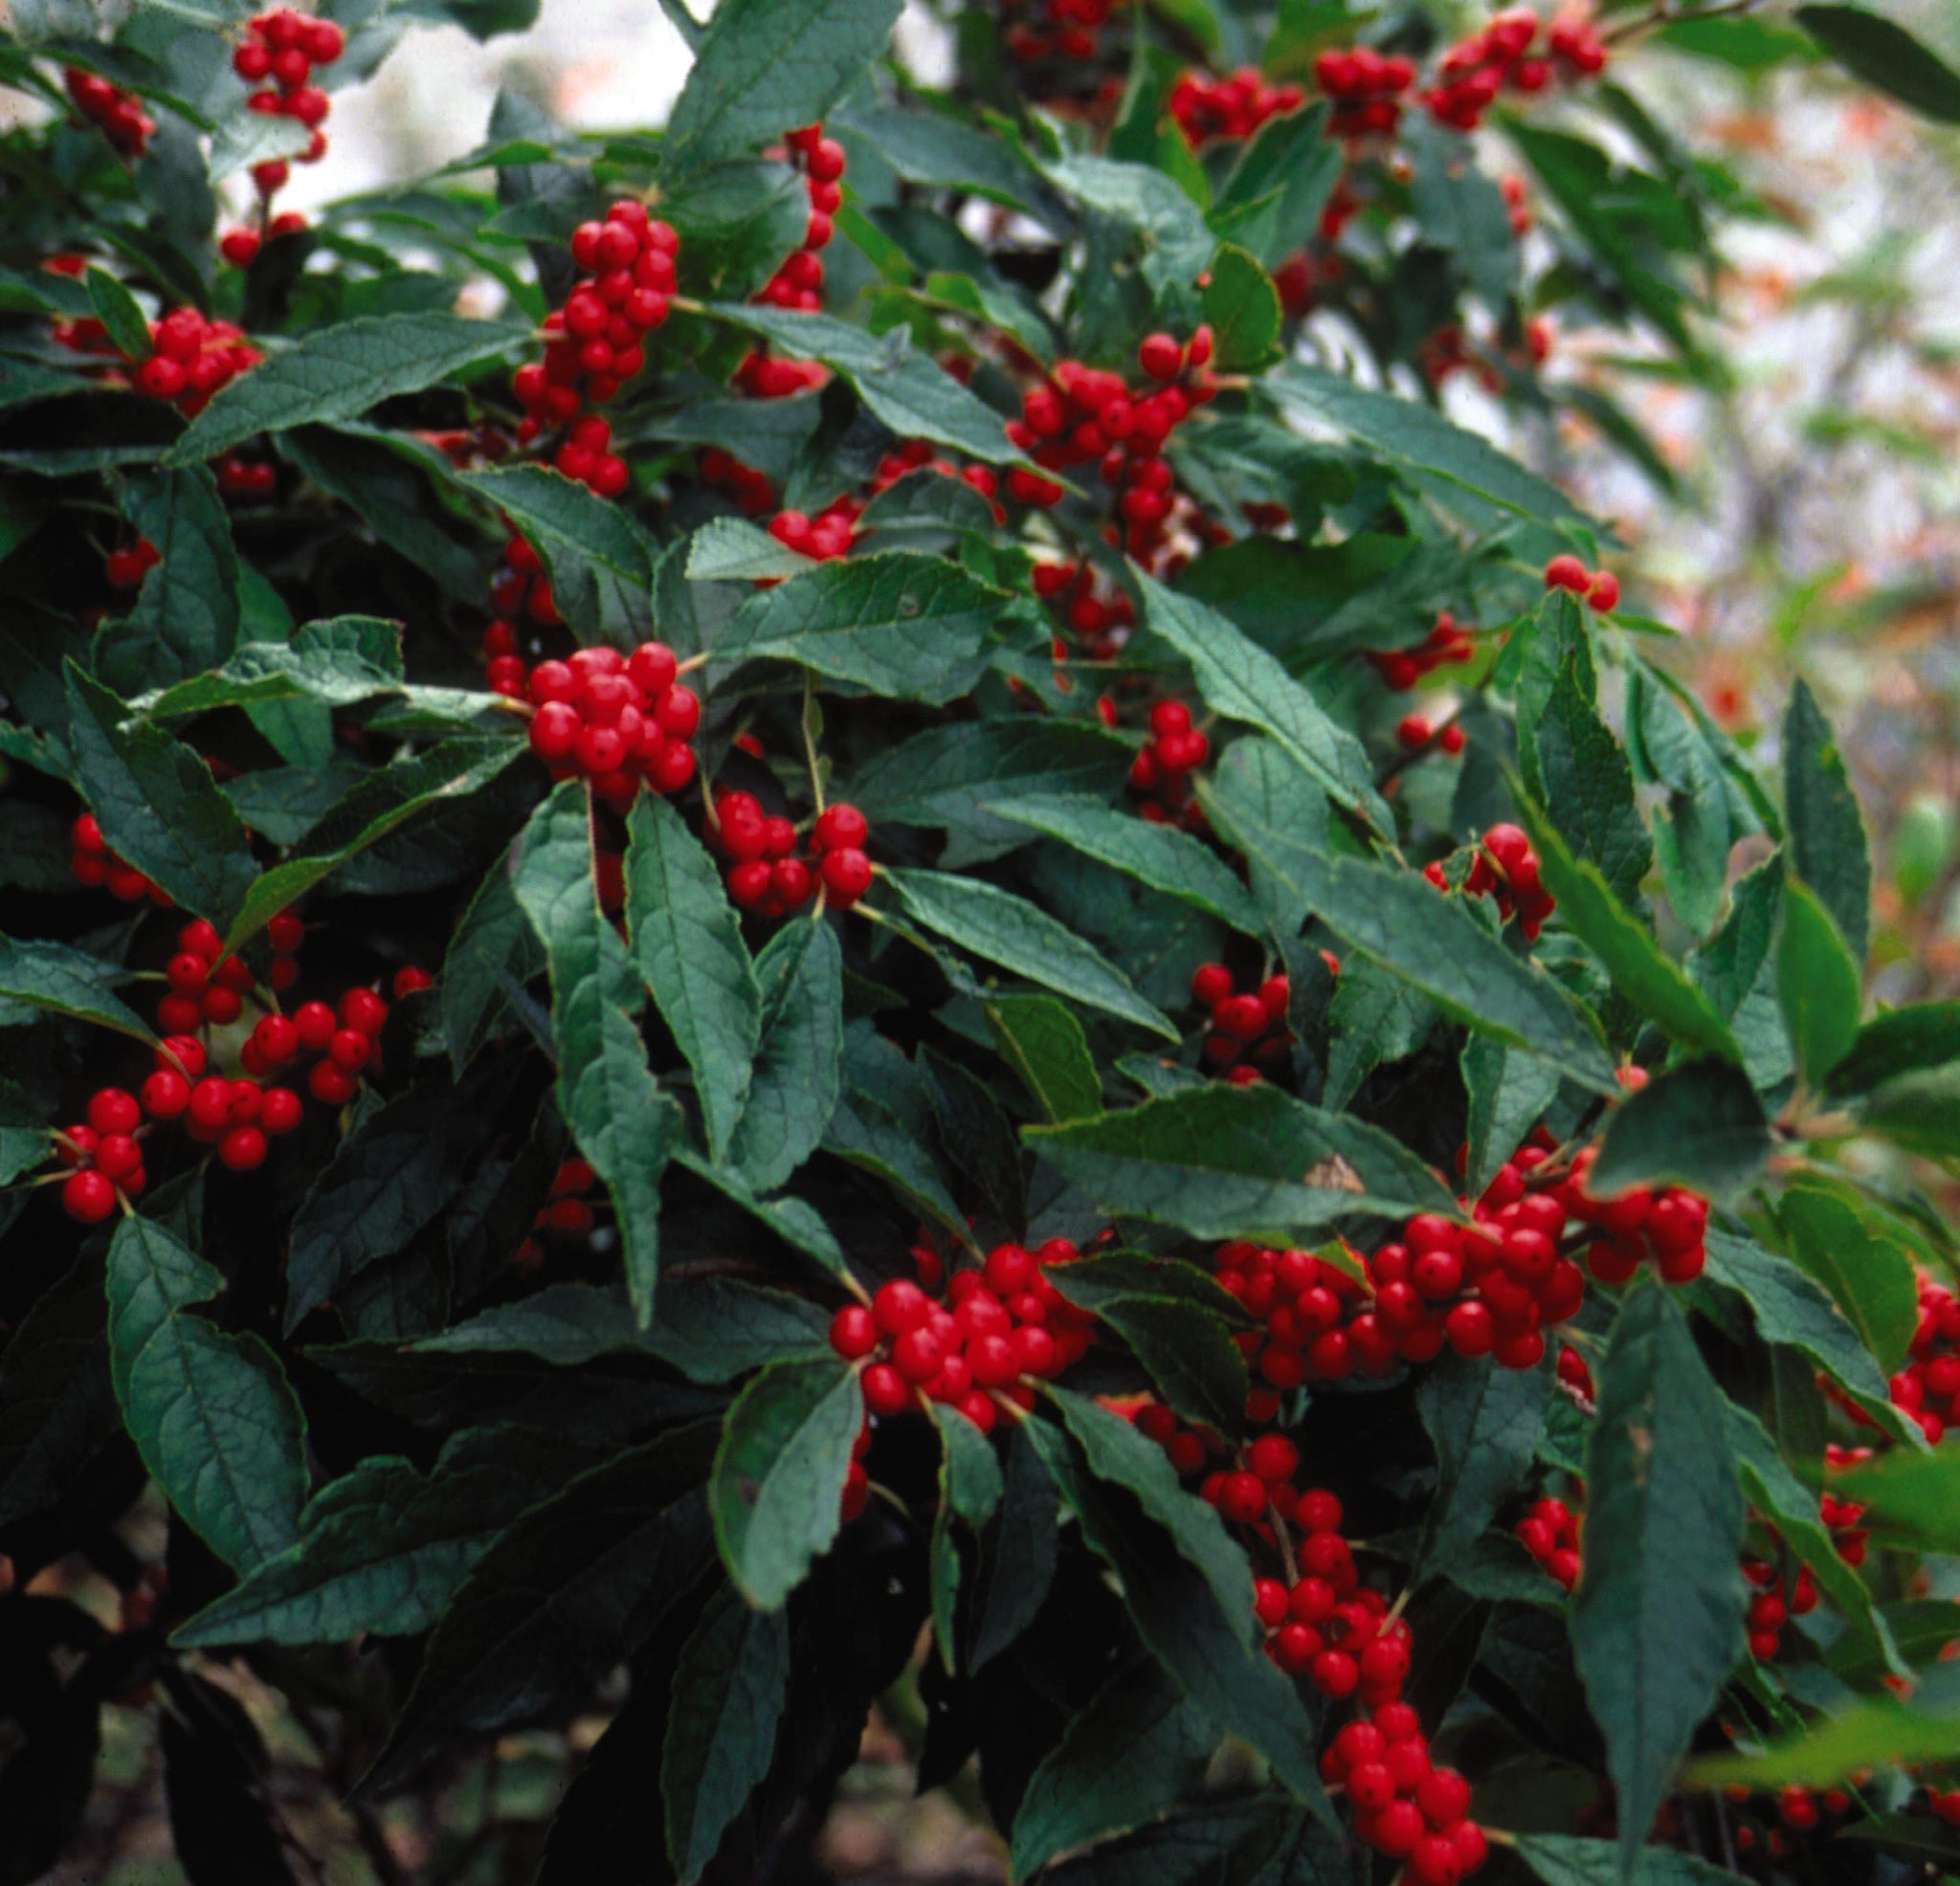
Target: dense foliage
822, 911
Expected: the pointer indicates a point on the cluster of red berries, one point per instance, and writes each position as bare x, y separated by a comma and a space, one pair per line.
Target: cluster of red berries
595, 345
1505, 867
1660, 1225
1415, 731
1550, 1533
205, 985
1313, 1315
1518, 203
566, 1216
1600, 587
1163, 767
766, 877
613, 718
282, 48
1001, 1324
1404, 1805
94, 863
347, 1040
752, 490
192, 358
1231, 107
1943, 1802
586, 457
1063, 28
1366, 89
119, 115
918, 455
1576, 1377
1773, 1602
824, 536
1248, 1029
1501, 57
1083, 415
126, 566
1445, 643
103, 1155
797, 284
1927, 1388
1100, 614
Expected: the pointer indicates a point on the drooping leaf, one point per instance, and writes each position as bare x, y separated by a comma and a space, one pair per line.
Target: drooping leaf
1484, 1423
1699, 1125
1042, 1042
1827, 842
1819, 983
186, 615
793, 1089
1659, 1620
1885, 55
1868, 1273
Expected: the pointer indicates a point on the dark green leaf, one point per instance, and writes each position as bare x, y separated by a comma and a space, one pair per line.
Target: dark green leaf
211, 1413
66, 982
1827, 841
688, 947
1819, 983
1870, 1276
729, 1688
1461, 210
793, 1089
1585, 783
778, 1478
1484, 1423
1040, 1039
1700, 1126
157, 806
1266, 805
492, 946
1658, 1623
338, 372
184, 619
1883, 54
599, 564
1905, 1041
1242, 307
1562, 1859
620, 1119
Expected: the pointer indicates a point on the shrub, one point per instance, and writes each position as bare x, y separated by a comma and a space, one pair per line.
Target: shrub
907, 943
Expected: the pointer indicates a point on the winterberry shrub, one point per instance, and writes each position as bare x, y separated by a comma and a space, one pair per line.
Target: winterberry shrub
818, 913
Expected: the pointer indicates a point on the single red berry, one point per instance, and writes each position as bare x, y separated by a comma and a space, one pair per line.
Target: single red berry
88, 1196
1160, 355
854, 1333
1566, 573
241, 1148
111, 1110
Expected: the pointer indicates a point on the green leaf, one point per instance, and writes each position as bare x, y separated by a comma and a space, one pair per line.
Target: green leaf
907, 389
1223, 1843
117, 309
1819, 983
1866, 1735
1241, 1162
1461, 210
1434, 942
1585, 785
339, 373
1484, 1423
1241, 680
157, 806
1179, 1325
211, 1413
902, 624
1773, 1490
1869, 1275
1911, 1495
1138, 1744
600, 569
1694, 830
383, 1548
778, 1477
793, 1091
1271, 203
342, 660
1040, 1039
1904, 1041
1700, 1126
1242, 307
1659, 1621
710, 1329
66, 982
1265, 805
384, 799
1508, 1094
1791, 1310
492, 948
1184, 1580
393, 1175
1562, 1859
1159, 856
730, 1685
1827, 841
619, 1118
567, 1592
1588, 907
947, 777
688, 947
733, 550
1461, 471
1736, 968
1918, 1111
1001, 928
1883, 54
766, 66
885, 1125
186, 615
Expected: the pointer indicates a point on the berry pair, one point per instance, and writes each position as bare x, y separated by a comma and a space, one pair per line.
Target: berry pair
1415, 731
1550, 1533
119, 115
766, 876
94, 863
566, 1217
616, 719
1600, 587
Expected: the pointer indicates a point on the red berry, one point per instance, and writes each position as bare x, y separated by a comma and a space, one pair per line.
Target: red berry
1160, 357
111, 1110
1566, 573
88, 1196
242, 1148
